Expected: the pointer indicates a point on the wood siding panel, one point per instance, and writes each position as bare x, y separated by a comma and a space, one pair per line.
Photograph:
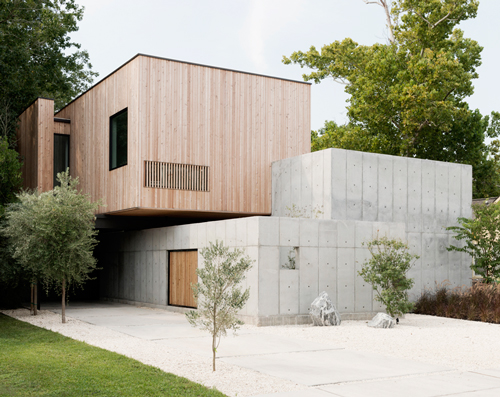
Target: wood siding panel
89, 143
235, 123
36, 144
62, 128
182, 268
27, 146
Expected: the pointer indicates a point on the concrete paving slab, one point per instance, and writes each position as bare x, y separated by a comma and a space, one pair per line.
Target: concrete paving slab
433, 385
298, 393
480, 393
245, 345
495, 372
314, 368
154, 332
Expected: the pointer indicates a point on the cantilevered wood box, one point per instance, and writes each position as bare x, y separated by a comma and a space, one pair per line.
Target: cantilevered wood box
200, 140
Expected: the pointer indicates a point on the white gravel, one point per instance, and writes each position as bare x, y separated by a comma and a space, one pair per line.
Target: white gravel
458, 344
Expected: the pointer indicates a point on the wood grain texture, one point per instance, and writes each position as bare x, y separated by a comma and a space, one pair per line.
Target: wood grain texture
182, 268
62, 128
235, 123
36, 144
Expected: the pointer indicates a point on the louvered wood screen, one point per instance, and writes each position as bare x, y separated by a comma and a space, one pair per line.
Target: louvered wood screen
176, 176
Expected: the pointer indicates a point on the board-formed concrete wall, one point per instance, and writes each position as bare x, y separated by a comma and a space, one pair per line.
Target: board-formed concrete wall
329, 253
427, 196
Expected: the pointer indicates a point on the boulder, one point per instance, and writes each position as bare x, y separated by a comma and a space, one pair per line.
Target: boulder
382, 320
323, 312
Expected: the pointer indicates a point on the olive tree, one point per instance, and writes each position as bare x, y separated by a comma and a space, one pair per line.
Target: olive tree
386, 271
52, 235
218, 295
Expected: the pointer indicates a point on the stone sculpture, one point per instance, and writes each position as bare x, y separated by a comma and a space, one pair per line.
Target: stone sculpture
323, 312
382, 320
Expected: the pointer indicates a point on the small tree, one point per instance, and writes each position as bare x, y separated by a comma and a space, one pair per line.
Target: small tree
386, 271
481, 235
52, 235
218, 294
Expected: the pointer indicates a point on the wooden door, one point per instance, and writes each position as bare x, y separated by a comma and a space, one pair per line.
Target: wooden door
182, 273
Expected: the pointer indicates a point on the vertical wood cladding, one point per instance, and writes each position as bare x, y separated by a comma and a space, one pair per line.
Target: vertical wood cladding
36, 144
182, 273
232, 122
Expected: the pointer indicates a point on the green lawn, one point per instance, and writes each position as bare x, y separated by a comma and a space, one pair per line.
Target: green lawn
37, 362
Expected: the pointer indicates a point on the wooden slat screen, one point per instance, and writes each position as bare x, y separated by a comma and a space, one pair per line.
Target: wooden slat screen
162, 175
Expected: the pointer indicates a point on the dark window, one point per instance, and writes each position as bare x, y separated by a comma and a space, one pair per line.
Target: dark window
61, 155
118, 140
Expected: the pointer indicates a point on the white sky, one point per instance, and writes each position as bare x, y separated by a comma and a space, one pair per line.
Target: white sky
253, 36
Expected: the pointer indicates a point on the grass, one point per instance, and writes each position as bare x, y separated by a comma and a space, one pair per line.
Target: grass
38, 362
481, 302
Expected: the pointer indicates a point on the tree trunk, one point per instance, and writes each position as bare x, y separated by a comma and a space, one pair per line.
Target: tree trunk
35, 300
214, 337
64, 300
213, 351
32, 300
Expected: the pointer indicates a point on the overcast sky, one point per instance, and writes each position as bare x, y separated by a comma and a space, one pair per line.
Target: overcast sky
253, 36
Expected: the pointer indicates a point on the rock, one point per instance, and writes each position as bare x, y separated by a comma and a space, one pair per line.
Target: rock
382, 320
323, 312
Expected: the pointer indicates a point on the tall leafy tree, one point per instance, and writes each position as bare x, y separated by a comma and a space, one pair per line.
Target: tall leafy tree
52, 235
407, 97
10, 182
37, 57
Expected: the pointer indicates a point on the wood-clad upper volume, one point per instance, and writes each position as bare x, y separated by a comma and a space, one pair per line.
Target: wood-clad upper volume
230, 124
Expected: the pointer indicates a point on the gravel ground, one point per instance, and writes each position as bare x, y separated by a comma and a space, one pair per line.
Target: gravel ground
458, 344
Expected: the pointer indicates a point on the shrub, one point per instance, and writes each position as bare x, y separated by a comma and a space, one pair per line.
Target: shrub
481, 236
386, 271
481, 302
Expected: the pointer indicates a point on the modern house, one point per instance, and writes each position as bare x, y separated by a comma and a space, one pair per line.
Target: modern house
184, 154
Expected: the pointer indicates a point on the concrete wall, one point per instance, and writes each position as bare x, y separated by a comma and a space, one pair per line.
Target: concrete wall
354, 196
329, 253
427, 196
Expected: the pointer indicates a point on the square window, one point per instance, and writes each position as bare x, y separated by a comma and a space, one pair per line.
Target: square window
118, 140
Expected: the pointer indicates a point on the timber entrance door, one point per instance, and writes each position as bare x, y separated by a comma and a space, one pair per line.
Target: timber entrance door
182, 272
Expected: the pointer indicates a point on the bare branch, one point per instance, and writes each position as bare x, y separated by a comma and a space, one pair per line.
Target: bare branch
385, 5
433, 25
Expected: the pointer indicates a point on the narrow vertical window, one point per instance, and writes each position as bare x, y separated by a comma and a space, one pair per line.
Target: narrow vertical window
61, 155
118, 140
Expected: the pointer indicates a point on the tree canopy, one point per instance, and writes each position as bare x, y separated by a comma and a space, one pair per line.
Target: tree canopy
37, 57
52, 234
407, 97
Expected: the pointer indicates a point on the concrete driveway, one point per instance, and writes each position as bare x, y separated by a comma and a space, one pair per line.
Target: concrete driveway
325, 371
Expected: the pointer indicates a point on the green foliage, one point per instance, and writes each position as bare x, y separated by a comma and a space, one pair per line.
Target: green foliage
407, 97
10, 182
37, 57
52, 234
294, 211
481, 237
481, 302
218, 295
386, 271
10, 174
36, 362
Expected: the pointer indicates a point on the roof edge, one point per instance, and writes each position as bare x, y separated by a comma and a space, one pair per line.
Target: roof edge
179, 61
32, 102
